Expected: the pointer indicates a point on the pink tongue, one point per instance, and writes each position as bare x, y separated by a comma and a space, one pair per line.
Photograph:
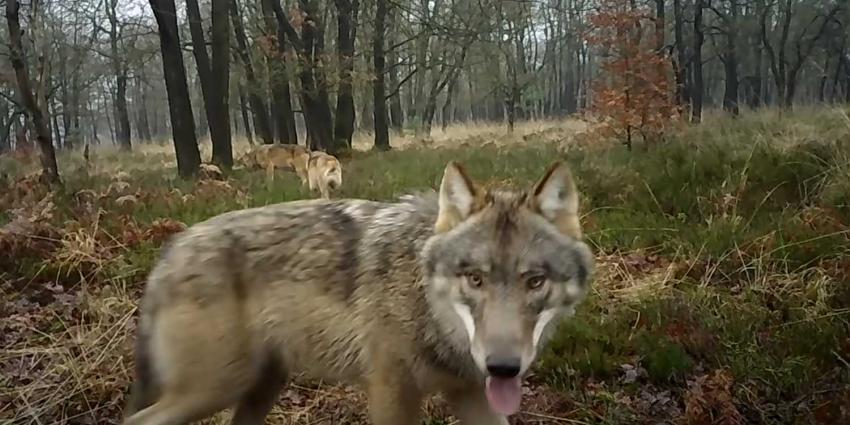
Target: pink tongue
504, 394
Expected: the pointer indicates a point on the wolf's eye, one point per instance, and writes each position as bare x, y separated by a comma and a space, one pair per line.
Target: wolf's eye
535, 281
474, 279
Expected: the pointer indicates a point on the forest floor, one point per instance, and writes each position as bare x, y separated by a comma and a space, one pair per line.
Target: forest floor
722, 294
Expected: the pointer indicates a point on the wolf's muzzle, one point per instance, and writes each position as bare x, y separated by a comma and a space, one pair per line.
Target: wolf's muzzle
503, 367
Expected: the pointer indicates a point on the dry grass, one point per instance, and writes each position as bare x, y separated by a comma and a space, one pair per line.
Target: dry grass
477, 134
721, 302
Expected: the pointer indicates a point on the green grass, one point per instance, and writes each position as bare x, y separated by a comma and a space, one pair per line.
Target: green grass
749, 217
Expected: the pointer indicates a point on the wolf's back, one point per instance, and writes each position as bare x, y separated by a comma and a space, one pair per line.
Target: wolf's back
337, 246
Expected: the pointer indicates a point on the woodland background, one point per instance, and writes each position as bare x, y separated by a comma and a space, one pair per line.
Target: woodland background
710, 141
128, 72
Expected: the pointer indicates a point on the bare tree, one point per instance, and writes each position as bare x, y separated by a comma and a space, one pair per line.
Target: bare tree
120, 71
214, 75
222, 153
727, 27
179, 105
309, 46
346, 32
35, 112
785, 63
276, 56
698, 89
681, 64
258, 106
396, 111
382, 132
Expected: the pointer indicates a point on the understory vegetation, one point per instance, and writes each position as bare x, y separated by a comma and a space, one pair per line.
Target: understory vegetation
722, 293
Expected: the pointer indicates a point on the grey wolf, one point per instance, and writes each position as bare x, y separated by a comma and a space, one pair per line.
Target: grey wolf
279, 156
454, 293
324, 173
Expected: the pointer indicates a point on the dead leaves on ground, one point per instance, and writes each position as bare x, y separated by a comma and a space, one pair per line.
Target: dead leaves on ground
709, 400
66, 297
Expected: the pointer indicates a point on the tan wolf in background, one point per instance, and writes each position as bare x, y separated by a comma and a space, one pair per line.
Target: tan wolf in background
455, 294
324, 173
279, 156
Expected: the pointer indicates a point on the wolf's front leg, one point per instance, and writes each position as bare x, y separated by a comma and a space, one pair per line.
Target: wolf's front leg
470, 407
393, 397
269, 173
303, 176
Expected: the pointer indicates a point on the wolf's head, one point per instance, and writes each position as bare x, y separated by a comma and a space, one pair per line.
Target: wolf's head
501, 267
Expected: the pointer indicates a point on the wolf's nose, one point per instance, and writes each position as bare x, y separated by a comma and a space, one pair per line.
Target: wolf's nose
504, 367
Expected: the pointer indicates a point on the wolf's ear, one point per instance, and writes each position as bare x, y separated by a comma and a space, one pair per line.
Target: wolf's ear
555, 197
457, 197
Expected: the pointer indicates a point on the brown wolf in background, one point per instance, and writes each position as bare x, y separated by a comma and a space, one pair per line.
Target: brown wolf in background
324, 173
454, 294
279, 156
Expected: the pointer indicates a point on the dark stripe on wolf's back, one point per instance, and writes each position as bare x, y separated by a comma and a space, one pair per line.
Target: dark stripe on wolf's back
235, 257
389, 251
349, 234
384, 262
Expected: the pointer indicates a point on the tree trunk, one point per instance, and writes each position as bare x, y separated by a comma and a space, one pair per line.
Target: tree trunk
144, 127
56, 130
396, 111
422, 46
179, 105
846, 63
682, 92
659, 26
791, 86
314, 92
122, 117
284, 117
346, 31
431, 104
113, 130
314, 100
5, 127
447, 73
214, 75
197, 98
67, 107
76, 131
119, 69
50, 172
448, 107
696, 64
777, 59
824, 79
730, 61
199, 51
730, 93
258, 106
836, 78
510, 108
382, 135
755, 97
243, 108
219, 117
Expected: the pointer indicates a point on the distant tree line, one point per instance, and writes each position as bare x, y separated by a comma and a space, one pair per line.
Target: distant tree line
93, 72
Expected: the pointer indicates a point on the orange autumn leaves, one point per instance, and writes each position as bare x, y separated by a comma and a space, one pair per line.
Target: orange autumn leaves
633, 97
